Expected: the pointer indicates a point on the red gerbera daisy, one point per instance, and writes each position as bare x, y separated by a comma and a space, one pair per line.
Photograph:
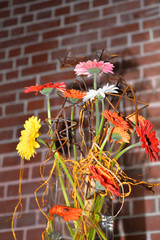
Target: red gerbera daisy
60, 86
67, 213
148, 139
105, 179
115, 119
73, 93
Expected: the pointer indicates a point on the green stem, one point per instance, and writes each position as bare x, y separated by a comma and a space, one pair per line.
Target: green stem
105, 140
71, 181
111, 148
102, 118
127, 148
73, 134
96, 103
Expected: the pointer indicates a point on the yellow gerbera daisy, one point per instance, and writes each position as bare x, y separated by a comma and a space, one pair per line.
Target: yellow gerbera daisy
27, 144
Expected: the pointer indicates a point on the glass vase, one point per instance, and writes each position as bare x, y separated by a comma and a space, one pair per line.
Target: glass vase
59, 229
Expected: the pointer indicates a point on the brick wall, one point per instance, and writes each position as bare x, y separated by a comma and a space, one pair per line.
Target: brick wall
33, 33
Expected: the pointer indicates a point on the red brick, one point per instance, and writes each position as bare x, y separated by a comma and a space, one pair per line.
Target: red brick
75, 50
6, 134
41, 47
35, 105
17, 2
1, 192
152, 223
153, 111
17, 31
45, 14
98, 23
7, 206
27, 188
152, 71
2, 55
100, 3
13, 109
11, 161
153, 172
43, 25
119, 41
156, 33
80, 38
62, 11
39, 58
5, 65
5, 222
128, 52
151, 23
3, 34
16, 121
155, 236
19, 41
35, 233
7, 176
150, 2
120, 30
19, 10
46, 4
7, 98
14, 52
81, 17
10, 22
9, 235
139, 14
3, 4
144, 206
27, 219
55, 77
59, 32
22, 61
27, 18
121, 7
151, 47
132, 237
38, 69
36, 171
140, 37
5, 13
98, 45
11, 75
81, 6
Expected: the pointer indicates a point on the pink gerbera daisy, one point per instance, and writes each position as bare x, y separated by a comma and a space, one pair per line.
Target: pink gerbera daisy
93, 67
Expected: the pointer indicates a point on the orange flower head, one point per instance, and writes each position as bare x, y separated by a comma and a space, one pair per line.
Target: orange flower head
67, 213
133, 120
148, 139
119, 135
115, 119
74, 94
105, 179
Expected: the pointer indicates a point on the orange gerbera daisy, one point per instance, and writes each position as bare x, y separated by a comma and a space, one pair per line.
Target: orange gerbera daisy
60, 86
148, 139
119, 135
67, 213
115, 119
105, 179
73, 93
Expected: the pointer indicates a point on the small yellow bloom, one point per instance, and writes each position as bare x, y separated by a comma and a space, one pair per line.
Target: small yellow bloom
27, 144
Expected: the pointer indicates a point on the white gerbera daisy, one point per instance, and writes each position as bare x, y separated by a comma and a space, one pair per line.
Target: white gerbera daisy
91, 94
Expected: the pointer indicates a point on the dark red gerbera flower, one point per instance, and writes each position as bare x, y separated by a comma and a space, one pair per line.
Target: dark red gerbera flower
105, 179
67, 213
148, 139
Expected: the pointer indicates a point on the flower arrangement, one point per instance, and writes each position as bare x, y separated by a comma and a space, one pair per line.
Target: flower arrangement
91, 163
